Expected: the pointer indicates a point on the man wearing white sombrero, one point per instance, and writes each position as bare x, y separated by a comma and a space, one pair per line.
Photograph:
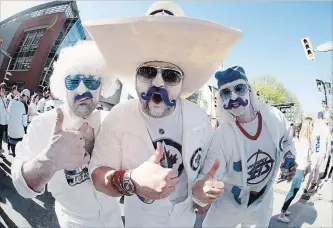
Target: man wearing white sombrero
151, 149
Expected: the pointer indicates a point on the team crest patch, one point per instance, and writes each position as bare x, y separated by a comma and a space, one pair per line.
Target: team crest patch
260, 164
195, 159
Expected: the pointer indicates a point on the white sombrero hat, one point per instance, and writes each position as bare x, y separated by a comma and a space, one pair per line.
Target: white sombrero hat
196, 46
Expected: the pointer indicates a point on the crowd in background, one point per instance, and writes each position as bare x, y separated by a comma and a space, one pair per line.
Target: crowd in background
17, 109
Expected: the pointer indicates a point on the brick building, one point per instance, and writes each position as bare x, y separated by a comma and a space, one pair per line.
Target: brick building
33, 38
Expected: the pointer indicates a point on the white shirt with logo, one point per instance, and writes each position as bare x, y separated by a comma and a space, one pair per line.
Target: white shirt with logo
168, 131
260, 155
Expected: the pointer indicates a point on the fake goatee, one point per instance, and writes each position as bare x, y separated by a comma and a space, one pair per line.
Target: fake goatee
86, 108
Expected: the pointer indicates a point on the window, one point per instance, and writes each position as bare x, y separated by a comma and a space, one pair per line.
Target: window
26, 50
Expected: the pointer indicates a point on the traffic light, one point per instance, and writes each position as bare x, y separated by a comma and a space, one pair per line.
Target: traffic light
309, 52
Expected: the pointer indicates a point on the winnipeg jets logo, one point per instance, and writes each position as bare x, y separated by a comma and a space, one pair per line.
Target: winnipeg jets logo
195, 159
260, 164
172, 157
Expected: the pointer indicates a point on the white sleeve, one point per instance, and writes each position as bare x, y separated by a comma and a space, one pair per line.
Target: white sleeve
215, 151
287, 144
107, 150
33, 143
40, 106
23, 154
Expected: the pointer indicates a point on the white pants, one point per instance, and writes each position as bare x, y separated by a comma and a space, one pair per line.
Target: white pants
138, 214
102, 219
255, 216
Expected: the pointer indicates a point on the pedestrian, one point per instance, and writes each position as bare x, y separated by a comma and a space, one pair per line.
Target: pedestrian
17, 119
150, 149
46, 97
33, 107
13, 93
321, 145
303, 149
250, 143
3, 115
57, 148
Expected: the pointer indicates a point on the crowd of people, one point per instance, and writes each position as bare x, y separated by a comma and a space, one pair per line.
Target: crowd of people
17, 110
159, 150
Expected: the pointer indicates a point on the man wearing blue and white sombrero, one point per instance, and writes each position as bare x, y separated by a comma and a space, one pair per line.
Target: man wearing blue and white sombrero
249, 143
151, 149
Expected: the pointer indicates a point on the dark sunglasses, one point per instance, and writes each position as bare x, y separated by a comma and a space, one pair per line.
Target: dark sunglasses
147, 74
240, 90
72, 82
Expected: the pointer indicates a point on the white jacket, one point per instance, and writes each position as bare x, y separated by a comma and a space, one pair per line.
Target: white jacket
76, 206
228, 147
124, 132
17, 119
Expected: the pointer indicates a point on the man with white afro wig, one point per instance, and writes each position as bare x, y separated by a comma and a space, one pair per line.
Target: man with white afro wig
57, 147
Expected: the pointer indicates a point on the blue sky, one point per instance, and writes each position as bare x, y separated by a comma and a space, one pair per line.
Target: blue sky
272, 41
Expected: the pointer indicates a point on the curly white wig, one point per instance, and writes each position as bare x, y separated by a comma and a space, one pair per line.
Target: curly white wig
82, 58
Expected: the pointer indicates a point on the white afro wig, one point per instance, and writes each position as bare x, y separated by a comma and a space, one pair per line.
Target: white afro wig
82, 58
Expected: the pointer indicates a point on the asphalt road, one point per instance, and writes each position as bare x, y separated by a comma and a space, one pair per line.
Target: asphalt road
16, 211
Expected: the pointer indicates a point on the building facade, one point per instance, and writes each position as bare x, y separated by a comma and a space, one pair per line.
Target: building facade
33, 39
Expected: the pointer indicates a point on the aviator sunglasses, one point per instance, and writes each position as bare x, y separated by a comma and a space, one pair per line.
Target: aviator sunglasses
240, 90
147, 74
90, 82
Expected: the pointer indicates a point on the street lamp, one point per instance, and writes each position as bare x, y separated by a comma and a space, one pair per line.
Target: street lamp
326, 86
325, 47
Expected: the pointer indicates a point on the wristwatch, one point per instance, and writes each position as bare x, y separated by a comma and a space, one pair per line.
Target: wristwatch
128, 185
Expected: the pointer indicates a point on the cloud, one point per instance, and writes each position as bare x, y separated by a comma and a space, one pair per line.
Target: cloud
9, 8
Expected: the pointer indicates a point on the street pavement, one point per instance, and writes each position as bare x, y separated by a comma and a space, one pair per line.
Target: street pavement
16, 211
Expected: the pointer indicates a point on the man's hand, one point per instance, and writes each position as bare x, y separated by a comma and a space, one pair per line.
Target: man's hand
208, 189
292, 172
69, 150
151, 180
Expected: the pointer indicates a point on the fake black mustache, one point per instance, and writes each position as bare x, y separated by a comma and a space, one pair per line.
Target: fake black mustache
238, 100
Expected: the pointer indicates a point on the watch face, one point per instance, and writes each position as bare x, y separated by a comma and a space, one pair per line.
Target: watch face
129, 187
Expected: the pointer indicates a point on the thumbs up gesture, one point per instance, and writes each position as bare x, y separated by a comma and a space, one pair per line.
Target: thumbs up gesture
69, 150
151, 180
208, 189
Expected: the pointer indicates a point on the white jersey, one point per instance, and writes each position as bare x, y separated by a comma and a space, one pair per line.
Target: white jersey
41, 104
260, 154
321, 137
17, 119
3, 111
169, 131
78, 204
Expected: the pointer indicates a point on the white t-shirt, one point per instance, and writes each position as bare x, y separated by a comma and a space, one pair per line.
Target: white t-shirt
3, 111
260, 155
303, 152
169, 130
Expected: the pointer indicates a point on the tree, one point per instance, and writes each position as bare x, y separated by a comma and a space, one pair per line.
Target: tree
272, 91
